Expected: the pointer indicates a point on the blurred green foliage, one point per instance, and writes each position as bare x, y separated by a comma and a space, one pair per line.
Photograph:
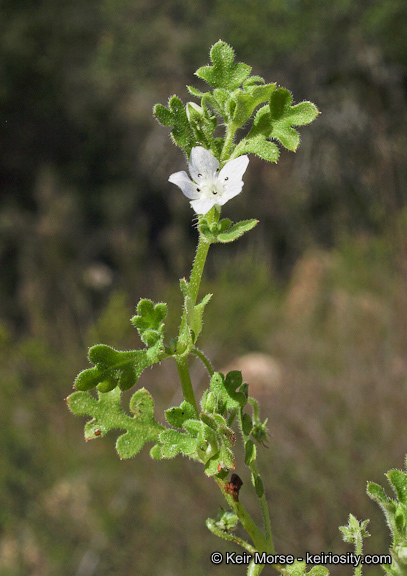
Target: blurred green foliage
88, 225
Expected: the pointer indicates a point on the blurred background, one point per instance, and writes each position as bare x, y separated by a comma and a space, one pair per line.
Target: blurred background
311, 305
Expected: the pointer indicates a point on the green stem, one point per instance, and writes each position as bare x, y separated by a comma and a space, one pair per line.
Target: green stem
230, 537
185, 378
245, 519
230, 134
265, 513
194, 283
358, 551
204, 360
255, 474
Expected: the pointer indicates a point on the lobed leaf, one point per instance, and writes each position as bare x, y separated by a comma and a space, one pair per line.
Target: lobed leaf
247, 102
225, 231
178, 415
194, 313
300, 569
237, 230
172, 442
107, 415
114, 368
354, 530
398, 480
284, 116
225, 389
259, 145
149, 321
223, 73
176, 116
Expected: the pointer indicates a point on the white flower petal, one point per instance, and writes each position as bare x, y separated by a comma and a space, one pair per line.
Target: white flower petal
183, 181
231, 178
202, 164
203, 205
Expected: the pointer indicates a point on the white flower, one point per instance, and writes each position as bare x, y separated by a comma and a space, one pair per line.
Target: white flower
209, 186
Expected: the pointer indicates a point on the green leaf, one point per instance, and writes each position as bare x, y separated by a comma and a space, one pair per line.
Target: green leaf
398, 480
225, 389
114, 368
376, 492
278, 118
247, 102
319, 571
247, 424
258, 145
250, 453
296, 569
283, 116
202, 124
226, 521
223, 73
177, 416
237, 230
224, 231
149, 321
258, 486
195, 92
253, 81
107, 415
354, 530
218, 100
172, 442
194, 313
300, 569
176, 116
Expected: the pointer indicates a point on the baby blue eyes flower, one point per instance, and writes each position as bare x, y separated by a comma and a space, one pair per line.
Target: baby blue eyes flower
209, 186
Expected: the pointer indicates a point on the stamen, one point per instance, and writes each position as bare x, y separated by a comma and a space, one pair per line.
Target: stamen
227, 178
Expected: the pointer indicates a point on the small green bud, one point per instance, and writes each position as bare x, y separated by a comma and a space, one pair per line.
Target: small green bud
226, 521
195, 113
259, 431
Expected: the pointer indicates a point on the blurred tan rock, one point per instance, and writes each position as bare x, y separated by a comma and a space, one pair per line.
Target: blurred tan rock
261, 371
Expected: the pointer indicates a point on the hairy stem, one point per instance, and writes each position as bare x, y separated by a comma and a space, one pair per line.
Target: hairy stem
194, 283
186, 384
204, 360
265, 514
230, 134
245, 519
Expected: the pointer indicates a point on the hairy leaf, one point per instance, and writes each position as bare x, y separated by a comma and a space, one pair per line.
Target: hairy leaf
284, 116
247, 102
259, 145
194, 312
107, 414
149, 321
398, 480
237, 230
223, 73
176, 116
178, 415
113, 368
226, 389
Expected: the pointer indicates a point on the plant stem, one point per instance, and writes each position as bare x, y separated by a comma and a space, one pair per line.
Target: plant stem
194, 283
199, 264
204, 360
265, 513
358, 551
245, 519
230, 134
185, 378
